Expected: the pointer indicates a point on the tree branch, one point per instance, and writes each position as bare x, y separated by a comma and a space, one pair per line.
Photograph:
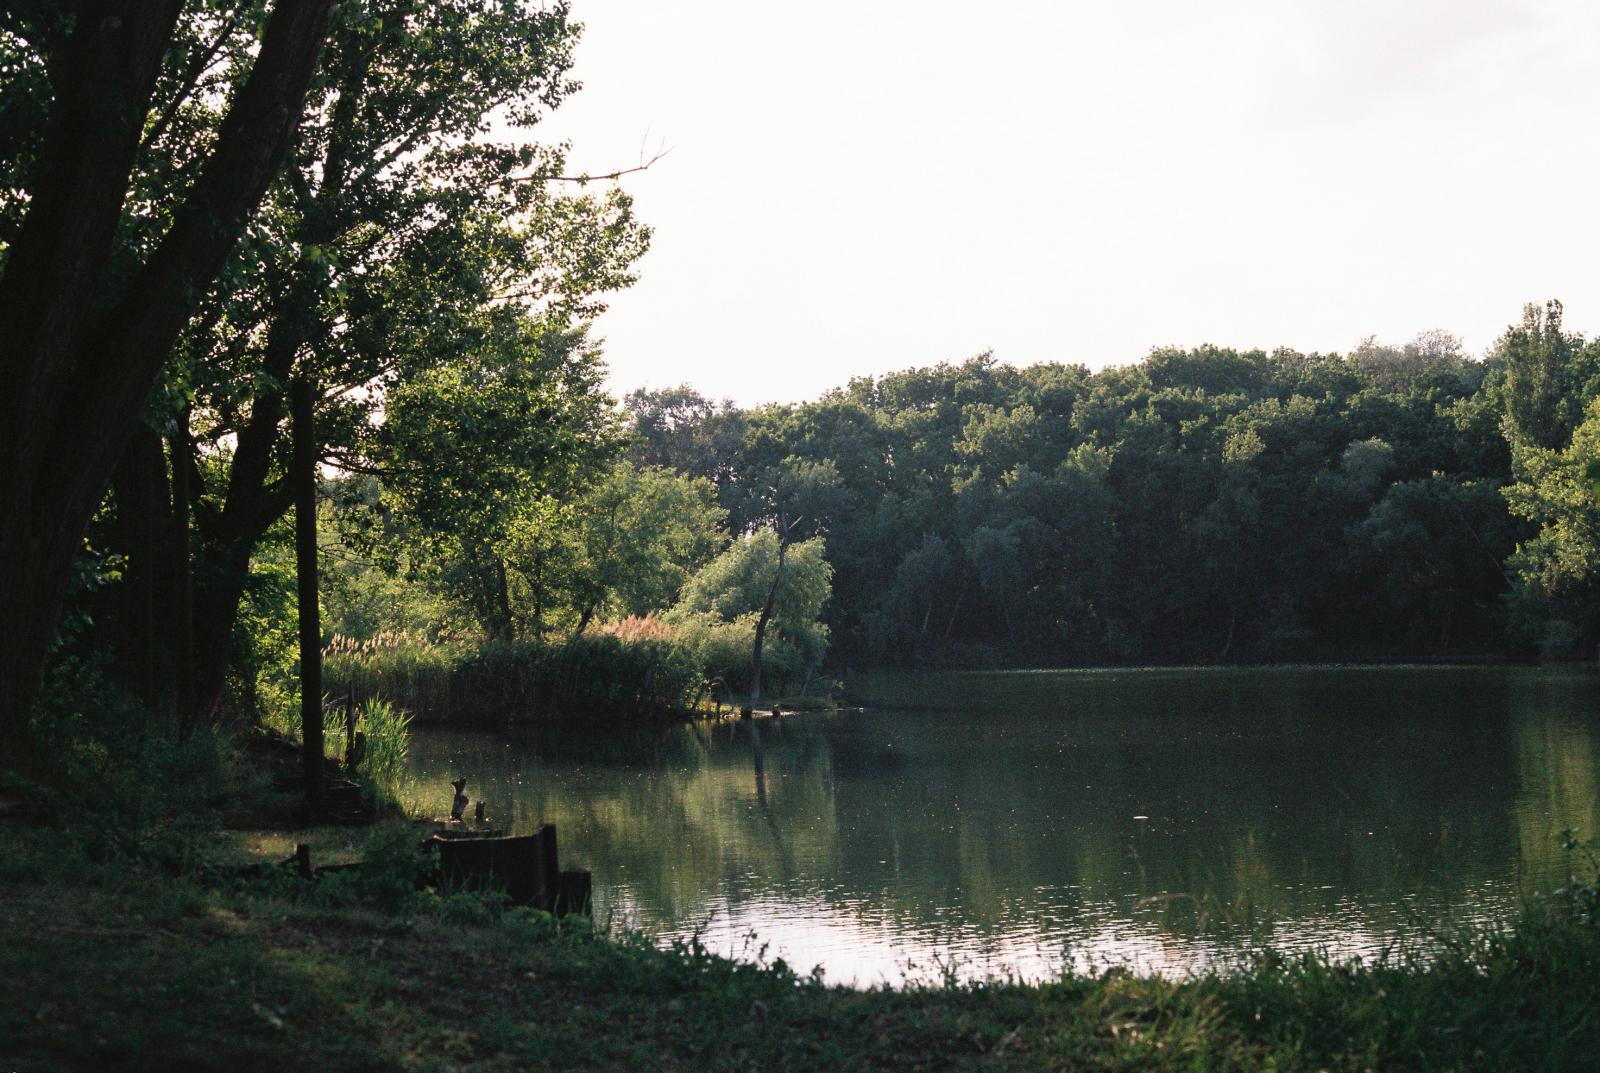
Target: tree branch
191, 79
583, 180
349, 465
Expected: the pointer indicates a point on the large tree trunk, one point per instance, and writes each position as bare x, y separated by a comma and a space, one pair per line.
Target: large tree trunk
226, 572
139, 489
79, 359
52, 280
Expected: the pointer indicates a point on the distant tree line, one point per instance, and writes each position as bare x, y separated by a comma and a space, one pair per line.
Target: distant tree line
1211, 504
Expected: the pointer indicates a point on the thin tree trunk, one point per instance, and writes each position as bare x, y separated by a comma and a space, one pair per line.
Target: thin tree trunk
137, 506
305, 554
956, 609
766, 615
584, 619
182, 579
502, 596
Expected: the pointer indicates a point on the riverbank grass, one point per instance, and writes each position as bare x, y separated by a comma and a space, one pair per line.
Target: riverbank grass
118, 964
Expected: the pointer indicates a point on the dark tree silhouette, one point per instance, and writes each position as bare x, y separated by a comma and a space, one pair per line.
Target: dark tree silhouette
83, 345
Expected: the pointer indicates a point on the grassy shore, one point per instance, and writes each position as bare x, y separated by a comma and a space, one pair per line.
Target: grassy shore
131, 939
117, 964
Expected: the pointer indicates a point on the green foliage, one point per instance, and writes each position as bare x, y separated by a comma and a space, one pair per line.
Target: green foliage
622, 547
388, 742
1421, 539
621, 669
1548, 375
125, 784
721, 603
1203, 505
263, 673
390, 869
1558, 569
737, 581
480, 450
681, 430
369, 586
408, 670
386, 727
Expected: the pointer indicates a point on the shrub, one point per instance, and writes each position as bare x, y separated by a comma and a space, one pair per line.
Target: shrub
632, 667
723, 649
126, 783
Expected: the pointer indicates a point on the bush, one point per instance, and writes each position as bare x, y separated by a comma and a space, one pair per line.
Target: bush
390, 870
723, 649
125, 783
632, 667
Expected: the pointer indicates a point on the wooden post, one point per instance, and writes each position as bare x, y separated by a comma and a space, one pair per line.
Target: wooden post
549, 866
574, 894
304, 478
349, 721
302, 860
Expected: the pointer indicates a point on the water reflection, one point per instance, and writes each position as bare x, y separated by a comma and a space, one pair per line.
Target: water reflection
990, 820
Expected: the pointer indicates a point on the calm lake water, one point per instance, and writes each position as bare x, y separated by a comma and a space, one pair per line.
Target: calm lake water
1014, 822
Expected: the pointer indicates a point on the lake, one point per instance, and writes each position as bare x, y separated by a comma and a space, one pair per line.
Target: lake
976, 824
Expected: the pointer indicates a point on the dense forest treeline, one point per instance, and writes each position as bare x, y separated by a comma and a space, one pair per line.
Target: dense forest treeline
1201, 505
414, 261
1204, 505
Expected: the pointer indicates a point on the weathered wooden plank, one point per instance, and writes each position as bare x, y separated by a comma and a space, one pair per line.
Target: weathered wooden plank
527, 868
514, 865
574, 894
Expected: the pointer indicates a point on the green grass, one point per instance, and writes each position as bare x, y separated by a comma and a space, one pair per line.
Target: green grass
113, 964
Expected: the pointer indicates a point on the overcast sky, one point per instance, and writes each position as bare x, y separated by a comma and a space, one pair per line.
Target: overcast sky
859, 187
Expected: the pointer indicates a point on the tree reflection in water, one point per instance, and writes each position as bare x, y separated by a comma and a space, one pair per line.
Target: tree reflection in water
992, 815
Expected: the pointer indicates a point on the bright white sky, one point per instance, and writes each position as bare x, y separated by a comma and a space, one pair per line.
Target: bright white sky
859, 187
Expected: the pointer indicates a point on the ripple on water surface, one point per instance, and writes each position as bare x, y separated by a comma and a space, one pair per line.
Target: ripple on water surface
977, 824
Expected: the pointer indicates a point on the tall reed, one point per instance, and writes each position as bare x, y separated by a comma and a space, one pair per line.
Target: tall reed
633, 667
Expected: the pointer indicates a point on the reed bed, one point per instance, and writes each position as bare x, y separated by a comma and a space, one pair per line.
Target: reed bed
634, 667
